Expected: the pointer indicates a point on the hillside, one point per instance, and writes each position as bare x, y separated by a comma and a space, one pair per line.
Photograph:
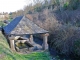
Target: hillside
62, 19
64, 28
7, 54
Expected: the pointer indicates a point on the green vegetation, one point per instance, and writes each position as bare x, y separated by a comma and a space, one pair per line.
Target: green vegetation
50, 4
1, 23
76, 47
66, 40
7, 54
66, 5
32, 56
10, 20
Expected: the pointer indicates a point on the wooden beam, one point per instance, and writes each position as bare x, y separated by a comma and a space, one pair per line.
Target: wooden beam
13, 37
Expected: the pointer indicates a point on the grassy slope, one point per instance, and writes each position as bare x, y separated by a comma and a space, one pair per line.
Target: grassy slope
7, 54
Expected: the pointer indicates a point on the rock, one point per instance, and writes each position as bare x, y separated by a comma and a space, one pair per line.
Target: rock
24, 50
17, 49
31, 49
35, 48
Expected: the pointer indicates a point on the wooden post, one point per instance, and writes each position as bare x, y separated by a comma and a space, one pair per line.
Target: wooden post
31, 39
45, 39
12, 45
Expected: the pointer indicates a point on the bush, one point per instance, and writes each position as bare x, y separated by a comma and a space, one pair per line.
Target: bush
66, 5
38, 9
63, 40
73, 4
77, 47
29, 12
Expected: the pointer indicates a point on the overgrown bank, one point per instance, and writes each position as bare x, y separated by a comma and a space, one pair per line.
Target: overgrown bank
64, 30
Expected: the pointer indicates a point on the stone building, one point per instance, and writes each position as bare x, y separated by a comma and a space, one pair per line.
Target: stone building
20, 27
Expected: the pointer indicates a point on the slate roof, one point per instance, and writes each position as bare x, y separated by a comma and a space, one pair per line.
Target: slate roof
22, 25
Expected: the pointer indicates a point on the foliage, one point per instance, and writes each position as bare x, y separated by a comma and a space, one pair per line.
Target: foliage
1, 23
40, 5
66, 5
64, 40
74, 4
38, 9
77, 47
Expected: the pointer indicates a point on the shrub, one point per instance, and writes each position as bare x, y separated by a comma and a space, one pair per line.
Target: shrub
66, 5
63, 40
29, 12
74, 4
77, 47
